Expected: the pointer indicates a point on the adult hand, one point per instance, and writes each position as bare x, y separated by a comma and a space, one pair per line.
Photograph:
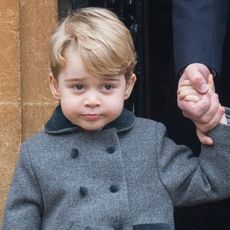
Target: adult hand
209, 120
207, 112
198, 75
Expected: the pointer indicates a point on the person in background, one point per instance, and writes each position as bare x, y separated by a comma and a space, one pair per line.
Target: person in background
199, 29
198, 33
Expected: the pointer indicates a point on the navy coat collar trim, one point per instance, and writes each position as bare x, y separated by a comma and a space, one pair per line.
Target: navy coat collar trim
59, 124
159, 226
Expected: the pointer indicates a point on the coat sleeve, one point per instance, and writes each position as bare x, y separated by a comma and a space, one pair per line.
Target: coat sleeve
24, 204
192, 180
198, 32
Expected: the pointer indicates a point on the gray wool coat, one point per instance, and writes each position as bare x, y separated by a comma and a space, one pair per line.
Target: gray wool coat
128, 175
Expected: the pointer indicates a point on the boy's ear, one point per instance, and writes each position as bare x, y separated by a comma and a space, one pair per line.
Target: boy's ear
54, 86
129, 86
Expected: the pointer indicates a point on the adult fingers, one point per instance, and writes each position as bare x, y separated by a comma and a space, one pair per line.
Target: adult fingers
204, 127
211, 112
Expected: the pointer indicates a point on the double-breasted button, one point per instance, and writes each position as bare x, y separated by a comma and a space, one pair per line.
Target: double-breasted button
114, 188
118, 227
83, 191
87, 228
110, 149
74, 153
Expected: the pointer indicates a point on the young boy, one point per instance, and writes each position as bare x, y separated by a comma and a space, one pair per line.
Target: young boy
96, 165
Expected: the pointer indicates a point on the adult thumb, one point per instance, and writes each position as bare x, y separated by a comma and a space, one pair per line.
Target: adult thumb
198, 75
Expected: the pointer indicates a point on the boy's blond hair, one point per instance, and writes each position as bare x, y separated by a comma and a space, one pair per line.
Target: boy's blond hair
104, 43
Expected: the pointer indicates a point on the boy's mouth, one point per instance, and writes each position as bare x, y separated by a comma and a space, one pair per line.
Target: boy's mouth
91, 117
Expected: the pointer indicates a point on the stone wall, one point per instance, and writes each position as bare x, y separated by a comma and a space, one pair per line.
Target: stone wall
25, 100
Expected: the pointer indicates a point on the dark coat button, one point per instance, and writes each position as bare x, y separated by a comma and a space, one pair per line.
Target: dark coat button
87, 228
114, 188
110, 149
74, 153
83, 191
118, 227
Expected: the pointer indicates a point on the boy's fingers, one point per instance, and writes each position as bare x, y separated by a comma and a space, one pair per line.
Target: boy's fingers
211, 83
204, 139
184, 83
195, 110
191, 98
187, 88
187, 91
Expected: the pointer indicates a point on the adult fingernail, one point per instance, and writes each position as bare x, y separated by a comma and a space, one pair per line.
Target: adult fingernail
204, 88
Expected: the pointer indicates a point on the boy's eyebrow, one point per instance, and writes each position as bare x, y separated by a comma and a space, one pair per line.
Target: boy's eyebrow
116, 79
74, 79
83, 79
112, 78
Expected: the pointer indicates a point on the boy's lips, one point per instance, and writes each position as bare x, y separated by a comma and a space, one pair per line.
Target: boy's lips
91, 117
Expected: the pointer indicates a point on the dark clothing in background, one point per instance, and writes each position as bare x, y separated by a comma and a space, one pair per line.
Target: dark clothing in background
199, 28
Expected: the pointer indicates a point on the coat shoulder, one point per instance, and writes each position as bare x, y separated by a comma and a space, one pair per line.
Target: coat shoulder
36, 138
148, 125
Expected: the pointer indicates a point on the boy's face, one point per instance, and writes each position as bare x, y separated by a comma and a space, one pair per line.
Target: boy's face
88, 101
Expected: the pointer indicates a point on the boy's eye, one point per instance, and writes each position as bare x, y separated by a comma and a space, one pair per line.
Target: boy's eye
108, 87
78, 87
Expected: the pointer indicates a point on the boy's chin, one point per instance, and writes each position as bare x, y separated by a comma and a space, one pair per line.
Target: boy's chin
91, 128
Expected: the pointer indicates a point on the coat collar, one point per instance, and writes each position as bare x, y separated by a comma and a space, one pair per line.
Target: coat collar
59, 124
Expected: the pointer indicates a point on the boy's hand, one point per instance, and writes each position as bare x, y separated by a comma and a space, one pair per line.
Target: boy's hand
203, 109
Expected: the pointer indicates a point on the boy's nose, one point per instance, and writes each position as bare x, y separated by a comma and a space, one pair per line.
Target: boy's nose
92, 100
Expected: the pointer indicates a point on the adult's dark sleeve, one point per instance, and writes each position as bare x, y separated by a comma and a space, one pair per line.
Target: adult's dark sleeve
198, 31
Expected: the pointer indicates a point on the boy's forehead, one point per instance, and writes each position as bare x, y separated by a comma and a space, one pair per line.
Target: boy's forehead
112, 78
